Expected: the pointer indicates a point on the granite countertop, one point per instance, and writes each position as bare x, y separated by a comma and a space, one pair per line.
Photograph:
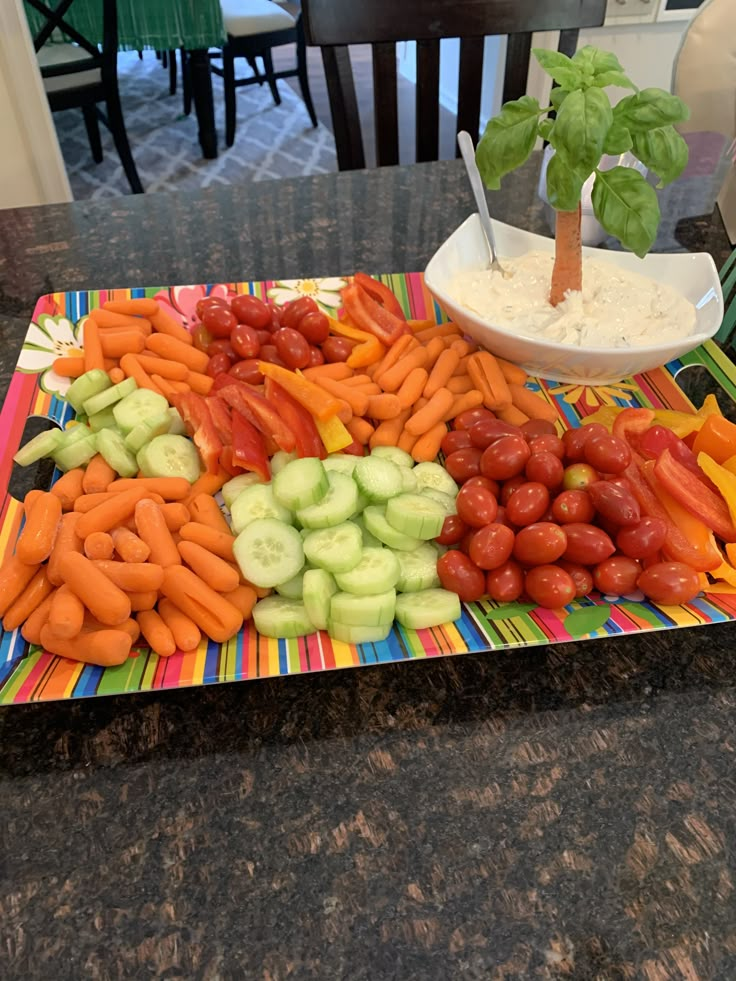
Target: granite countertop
558, 812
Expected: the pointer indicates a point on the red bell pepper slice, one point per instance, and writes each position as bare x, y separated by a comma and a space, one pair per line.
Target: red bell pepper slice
380, 293
259, 412
220, 413
298, 419
195, 414
366, 314
249, 451
630, 425
658, 438
694, 496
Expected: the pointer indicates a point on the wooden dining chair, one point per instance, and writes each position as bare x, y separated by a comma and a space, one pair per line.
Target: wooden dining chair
77, 74
332, 25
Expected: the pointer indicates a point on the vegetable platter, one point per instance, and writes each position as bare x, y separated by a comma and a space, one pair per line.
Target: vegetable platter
28, 673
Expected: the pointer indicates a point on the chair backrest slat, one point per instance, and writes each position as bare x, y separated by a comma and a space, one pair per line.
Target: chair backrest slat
428, 99
470, 78
385, 104
344, 106
518, 50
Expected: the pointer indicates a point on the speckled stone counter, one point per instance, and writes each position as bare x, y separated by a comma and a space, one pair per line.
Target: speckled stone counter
561, 812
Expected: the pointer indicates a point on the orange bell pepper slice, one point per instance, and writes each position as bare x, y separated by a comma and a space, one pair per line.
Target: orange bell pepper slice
717, 438
313, 397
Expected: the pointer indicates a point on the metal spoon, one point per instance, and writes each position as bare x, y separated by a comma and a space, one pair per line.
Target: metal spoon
466, 148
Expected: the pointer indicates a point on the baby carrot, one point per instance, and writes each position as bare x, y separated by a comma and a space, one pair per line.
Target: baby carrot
116, 375
439, 330
369, 388
103, 647
70, 367
37, 538
205, 510
129, 546
129, 626
412, 387
442, 372
361, 430
427, 445
184, 630
406, 441
357, 401
173, 370
160, 639
86, 502
31, 497
98, 545
169, 327
33, 594
175, 515
68, 488
100, 595
214, 541
214, 615
93, 356
133, 577
98, 475
153, 530
338, 371
141, 306
169, 488
31, 629
243, 598
362, 379
499, 388
67, 540
165, 386
199, 382
513, 415
431, 414
110, 318
125, 342
174, 349
66, 614
512, 372
462, 347
110, 513
133, 369
207, 483
384, 406
394, 355
468, 400
532, 404
391, 380
145, 600
388, 432
211, 568
459, 384
434, 349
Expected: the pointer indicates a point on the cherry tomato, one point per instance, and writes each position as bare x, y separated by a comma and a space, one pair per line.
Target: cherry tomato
354, 449
502, 518
575, 440
550, 586
222, 347
453, 530
476, 505
581, 576
527, 504
466, 419
578, 475
244, 340
275, 320
251, 310
533, 428
607, 454
336, 349
614, 502
669, 583
463, 464
491, 485
510, 487
270, 353
617, 575
487, 431
491, 546
573, 505
315, 356
587, 544
210, 301
547, 444
643, 539
293, 312
218, 365
201, 337
265, 336
456, 439
506, 583
219, 320
505, 458
247, 371
545, 468
540, 543
460, 575
314, 326
293, 347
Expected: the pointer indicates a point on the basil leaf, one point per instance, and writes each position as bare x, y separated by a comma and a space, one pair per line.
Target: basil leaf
650, 109
560, 67
563, 185
545, 128
618, 138
627, 207
508, 140
557, 96
595, 60
664, 151
613, 78
580, 129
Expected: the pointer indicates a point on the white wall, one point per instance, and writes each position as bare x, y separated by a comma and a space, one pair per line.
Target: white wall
31, 167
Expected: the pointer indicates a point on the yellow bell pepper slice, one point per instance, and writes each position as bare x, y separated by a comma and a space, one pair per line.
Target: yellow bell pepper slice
724, 480
333, 434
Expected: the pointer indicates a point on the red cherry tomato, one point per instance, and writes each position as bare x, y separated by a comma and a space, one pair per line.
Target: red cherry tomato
275, 320
575, 440
468, 418
210, 301
222, 347
218, 365
491, 546
547, 444
201, 337
487, 431
617, 575
540, 543
293, 312
615, 503
251, 310
264, 336
453, 530
481, 481
545, 468
533, 428
505, 458
502, 518
510, 487
506, 583
581, 576
527, 504
463, 464
270, 353
354, 449
314, 326
578, 476
587, 544
337, 349
476, 505
293, 347
550, 586
643, 539
219, 320
607, 454
244, 340
669, 583
247, 371
315, 356
460, 575
573, 505
456, 439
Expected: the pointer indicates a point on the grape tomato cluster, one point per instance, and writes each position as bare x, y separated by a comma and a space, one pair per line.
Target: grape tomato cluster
549, 517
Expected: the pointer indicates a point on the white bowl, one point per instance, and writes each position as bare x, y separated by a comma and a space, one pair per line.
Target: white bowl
692, 274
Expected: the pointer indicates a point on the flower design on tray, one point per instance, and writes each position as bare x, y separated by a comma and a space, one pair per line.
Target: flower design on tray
325, 291
180, 302
50, 337
594, 395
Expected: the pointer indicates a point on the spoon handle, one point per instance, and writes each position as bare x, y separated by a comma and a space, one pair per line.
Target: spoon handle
466, 148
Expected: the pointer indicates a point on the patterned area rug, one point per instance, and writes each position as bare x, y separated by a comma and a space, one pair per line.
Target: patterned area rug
270, 141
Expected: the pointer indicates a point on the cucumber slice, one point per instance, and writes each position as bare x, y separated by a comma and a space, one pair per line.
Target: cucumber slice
74, 434
280, 459
377, 571
87, 385
232, 488
369, 541
416, 515
400, 457
427, 608
169, 456
81, 419
336, 506
293, 588
111, 446
435, 476
371, 610
107, 398
77, 452
45, 444
176, 426
104, 419
350, 634
278, 616
269, 552
342, 462
336, 549
137, 407
300, 483
378, 479
418, 569
376, 523
144, 432
446, 500
318, 586
256, 502
409, 482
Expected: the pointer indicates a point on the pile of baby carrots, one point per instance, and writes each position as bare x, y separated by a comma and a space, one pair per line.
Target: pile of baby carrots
421, 383
102, 560
137, 339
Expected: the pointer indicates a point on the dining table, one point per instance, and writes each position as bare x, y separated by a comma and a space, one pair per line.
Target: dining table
552, 811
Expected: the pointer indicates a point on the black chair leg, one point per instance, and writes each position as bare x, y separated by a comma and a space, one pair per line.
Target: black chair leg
117, 128
302, 75
172, 72
254, 68
268, 67
92, 126
228, 78
186, 82
164, 59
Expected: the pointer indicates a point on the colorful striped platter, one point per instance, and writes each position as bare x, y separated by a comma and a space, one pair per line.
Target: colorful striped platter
28, 675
